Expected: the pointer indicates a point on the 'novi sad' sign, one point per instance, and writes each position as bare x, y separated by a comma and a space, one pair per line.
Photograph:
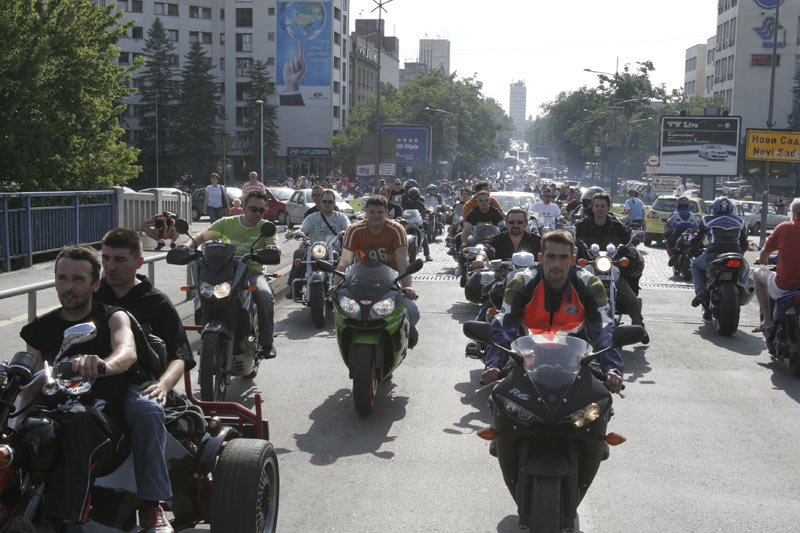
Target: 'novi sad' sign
766, 145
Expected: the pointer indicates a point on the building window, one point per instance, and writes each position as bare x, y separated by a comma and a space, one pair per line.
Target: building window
730, 68
244, 17
221, 38
194, 36
122, 5
243, 65
337, 13
243, 90
344, 115
244, 42
137, 32
197, 12
222, 14
172, 35
337, 39
162, 8
336, 86
337, 63
206, 37
344, 96
336, 111
270, 61
241, 116
222, 91
138, 83
270, 36
173, 59
271, 11
124, 58
733, 31
136, 6
222, 63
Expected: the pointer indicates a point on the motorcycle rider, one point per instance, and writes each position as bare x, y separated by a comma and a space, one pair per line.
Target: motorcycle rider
319, 227
412, 200
242, 230
316, 196
89, 428
486, 213
393, 209
121, 257
582, 211
473, 202
679, 221
603, 229
397, 191
726, 233
555, 296
545, 212
433, 190
773, 284
380, 239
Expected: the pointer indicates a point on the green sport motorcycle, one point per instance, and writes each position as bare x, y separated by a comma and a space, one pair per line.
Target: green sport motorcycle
372, 325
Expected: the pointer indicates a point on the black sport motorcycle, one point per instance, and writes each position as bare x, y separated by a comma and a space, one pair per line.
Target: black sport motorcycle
726, 292
550, 413
225, 307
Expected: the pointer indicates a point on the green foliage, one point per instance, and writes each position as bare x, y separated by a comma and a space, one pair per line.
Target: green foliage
60, 88
261, 88
158, 105
199, 115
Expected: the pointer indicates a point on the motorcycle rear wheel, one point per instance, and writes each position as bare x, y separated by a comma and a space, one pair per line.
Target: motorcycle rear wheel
727, 312
686, 270
546, 504
212, 382
365, 380
316, 301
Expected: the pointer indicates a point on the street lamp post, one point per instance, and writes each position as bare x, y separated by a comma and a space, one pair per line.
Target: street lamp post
261, 137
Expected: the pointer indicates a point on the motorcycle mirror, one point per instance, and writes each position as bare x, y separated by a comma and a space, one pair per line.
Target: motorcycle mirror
268, 229
625, 335
595, 248
478, 330
182, 227
78, 334
414, 267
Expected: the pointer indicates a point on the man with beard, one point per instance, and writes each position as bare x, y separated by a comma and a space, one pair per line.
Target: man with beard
88, 427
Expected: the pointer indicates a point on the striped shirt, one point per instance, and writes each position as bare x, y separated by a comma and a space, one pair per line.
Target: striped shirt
250, 187
381, 247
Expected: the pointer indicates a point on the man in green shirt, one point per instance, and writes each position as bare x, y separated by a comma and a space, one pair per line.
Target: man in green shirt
242, 230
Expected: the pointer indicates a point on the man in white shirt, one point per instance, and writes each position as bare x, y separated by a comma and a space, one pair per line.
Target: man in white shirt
545, 212
215, 204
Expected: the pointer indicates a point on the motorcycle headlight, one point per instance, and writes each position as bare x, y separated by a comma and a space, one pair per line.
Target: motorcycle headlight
350, 307
319, 251
217, 291
516, 410
382, 309
588, 414
603, 264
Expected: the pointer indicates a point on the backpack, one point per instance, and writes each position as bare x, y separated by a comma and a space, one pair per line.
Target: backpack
151, 351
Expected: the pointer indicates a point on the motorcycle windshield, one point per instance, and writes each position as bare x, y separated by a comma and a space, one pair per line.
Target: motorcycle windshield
431, 201
458, 212
552, 362
369, 280
412, 216
216, 256
484, 232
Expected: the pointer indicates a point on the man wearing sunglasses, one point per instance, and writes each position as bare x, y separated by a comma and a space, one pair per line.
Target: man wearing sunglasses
242, 230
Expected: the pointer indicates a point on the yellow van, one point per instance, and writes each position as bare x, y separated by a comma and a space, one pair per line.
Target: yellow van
662, 208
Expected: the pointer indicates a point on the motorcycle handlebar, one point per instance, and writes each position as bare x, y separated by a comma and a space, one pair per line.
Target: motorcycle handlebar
64, 369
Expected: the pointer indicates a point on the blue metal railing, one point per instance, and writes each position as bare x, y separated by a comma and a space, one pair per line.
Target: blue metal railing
39, 222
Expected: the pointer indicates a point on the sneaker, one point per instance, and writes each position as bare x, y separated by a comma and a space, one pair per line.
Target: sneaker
272, 353
672, 260
428, 258
161, 244
152, 520
699, 298
646, 337
707, 314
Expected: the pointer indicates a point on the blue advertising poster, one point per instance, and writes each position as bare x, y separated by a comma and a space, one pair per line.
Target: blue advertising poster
413, 143
304, 53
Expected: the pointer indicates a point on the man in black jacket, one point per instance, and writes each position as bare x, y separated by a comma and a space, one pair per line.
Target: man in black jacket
603, 229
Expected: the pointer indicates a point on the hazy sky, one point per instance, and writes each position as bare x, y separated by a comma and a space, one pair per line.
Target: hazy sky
549, 43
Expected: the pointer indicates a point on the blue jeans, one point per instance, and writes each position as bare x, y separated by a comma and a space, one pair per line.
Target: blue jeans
215, 213
265, 305
145, 419
413, 317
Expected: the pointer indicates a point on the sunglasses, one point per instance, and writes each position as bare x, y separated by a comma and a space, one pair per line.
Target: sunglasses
483, 199
327, 201
254, 209
516, 222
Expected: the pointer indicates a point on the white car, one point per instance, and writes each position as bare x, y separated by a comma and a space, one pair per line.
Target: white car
751, 213
509, 199
301, 201
713, 152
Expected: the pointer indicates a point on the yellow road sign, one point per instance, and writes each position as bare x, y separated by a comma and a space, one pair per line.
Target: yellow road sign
766, 145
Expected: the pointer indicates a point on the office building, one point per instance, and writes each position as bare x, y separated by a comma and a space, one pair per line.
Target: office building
694, 81
237, 32
516, 107
373, 31
435, 53
363, 60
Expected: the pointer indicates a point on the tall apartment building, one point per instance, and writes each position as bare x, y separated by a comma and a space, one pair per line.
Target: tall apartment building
516, 107
435, 53
237, 32
694, 81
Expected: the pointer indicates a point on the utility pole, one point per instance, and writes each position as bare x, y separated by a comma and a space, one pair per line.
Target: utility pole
770, 124
380, 8
156, 137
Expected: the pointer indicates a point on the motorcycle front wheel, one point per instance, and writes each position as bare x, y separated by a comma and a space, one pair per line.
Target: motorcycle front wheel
212, 380
365, 379
546, 504
316, 301
727, 315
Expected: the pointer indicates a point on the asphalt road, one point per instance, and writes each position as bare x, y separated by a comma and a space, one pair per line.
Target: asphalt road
711, 423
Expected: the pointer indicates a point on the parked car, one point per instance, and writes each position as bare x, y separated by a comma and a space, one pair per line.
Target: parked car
276, 207
166, 190
199, 198
713, 152
662, 208
751, 213
301, 201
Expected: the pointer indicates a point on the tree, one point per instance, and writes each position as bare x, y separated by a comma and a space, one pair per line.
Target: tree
199, 114
158, 95
261, 88
60, 86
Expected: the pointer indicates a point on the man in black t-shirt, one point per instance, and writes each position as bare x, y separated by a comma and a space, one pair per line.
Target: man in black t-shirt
88, 426
122, 256
484, 214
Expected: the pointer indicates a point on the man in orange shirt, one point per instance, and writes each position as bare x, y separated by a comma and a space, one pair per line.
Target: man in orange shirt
384, 240
473, 202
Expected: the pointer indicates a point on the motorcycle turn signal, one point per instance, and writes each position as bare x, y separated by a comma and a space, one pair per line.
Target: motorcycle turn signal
615, 439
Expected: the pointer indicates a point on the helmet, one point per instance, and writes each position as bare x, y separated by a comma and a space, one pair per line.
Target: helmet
409, 184
589, 193
413, 193
723, 206
433, 189
683, 203
473, 290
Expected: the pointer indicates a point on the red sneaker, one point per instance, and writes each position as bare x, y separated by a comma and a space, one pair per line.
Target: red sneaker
152, 520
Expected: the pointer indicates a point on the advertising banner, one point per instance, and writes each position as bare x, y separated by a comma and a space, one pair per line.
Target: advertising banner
413, 142
772, 145
304, 53
700, 145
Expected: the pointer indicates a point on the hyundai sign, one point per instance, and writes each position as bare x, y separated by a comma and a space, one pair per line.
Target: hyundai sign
413, 143
699, 145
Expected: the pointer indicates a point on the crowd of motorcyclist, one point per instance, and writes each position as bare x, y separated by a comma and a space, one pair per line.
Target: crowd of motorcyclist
554, 295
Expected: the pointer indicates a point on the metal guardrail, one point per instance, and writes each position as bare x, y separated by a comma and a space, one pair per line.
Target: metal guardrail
33, 289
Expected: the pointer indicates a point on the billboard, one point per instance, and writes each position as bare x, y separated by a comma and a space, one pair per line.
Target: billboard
700, 145
413, 142
304, 53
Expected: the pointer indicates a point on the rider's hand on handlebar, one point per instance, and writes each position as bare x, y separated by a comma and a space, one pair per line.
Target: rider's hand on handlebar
410, 293
613, 381
86, 366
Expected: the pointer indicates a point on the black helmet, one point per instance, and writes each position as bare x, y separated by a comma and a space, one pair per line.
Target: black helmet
409, 184
473, 289
413, 193
589, 193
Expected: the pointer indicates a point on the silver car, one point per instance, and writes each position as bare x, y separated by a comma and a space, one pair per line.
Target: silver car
751, 213
301, 201
713, 152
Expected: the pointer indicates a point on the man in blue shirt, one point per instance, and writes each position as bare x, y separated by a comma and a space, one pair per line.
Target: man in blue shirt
634, 208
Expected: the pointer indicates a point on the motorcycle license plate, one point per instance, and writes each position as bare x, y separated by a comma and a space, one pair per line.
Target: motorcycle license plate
726, 276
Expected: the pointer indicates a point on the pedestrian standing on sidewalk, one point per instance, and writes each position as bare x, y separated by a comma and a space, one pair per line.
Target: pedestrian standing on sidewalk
216, 201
